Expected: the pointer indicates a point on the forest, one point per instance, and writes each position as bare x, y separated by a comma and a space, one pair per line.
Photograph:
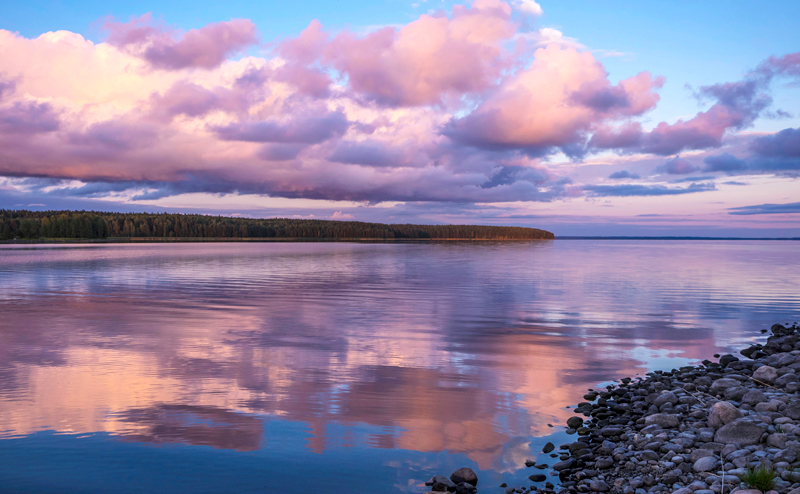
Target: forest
44, 225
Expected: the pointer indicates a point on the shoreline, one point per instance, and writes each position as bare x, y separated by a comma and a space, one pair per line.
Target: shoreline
703, 429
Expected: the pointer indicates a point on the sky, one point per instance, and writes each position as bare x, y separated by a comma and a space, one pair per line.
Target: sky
583, 118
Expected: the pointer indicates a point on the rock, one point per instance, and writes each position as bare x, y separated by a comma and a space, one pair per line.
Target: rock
466, 488
727, 359
442, 484
604, 463
705, 464
538, 477
662, 420
563, 465
785, 379
464, 474
599, 486
530, 463
611, 431
720, 385
792, 410
786, 455
649, 455
665, 397
754, 397
548, 448
699, 453
780, 330
683, 490
722, 413
765, 374
574, 422
777, 441
743, 432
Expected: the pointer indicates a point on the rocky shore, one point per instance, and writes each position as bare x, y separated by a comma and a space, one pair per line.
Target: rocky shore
721, 427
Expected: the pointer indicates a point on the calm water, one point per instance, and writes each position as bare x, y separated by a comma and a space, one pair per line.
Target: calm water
344, 368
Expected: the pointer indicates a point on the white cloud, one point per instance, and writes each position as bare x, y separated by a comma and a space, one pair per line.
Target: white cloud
529, 7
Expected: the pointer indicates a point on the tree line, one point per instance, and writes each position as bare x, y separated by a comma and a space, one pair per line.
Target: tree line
23, 224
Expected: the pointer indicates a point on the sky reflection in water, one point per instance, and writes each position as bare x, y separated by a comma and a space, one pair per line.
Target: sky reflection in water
280, 367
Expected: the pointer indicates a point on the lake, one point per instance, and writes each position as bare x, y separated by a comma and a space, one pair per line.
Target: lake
345, 367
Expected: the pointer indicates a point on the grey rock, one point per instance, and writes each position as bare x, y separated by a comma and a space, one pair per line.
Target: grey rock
665, 397
649, 455
537, 477
599, 486
548, 447
604, 463
743, 431
766, 374
777, 441
662, 420
754, 397
563, 465
464, 474
466, 488
786, 455
442, 484
705, 464
699, 453
722, 413
720, 385
792, 410
785, 379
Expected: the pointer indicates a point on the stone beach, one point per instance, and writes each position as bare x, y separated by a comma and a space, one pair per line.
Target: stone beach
707, 429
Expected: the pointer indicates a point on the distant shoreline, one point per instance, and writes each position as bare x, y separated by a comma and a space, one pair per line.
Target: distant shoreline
168, 240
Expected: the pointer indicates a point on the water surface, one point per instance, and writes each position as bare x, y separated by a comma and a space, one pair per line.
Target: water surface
345, 367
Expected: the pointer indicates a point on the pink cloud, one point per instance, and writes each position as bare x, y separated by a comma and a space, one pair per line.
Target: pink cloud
420, 63
204, 48
554, 103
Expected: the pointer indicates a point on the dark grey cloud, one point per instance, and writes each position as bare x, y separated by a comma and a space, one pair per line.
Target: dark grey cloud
630, 190
789, 208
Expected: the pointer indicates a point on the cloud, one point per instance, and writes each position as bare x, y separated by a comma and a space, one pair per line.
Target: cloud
784, 144
677, 166
338, 215
736, 106
553, 103
634, 190
528, 7
724, 163
7, 86
623, 174
420, 63
308, 130
165, 49
789, 208
28, 117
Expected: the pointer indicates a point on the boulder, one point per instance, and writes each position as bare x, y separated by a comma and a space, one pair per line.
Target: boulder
563, 465
785, 379
548, 447
537, 477
780, 330
722, 413
743, 432
720, 385
699, 453
765, 374
464, 474
599, 486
